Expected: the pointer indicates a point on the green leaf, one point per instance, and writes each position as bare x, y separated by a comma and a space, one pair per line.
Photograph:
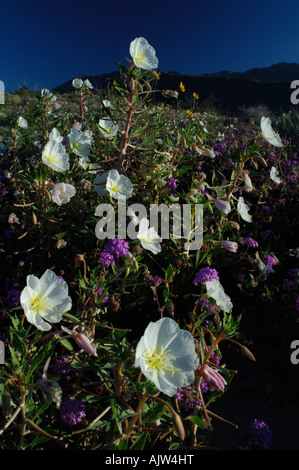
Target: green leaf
199, 422
140, 441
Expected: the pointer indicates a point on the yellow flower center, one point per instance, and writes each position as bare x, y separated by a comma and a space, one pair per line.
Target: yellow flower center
52, 158
38, 304
115, 188
160, 360
75, 146
140, 57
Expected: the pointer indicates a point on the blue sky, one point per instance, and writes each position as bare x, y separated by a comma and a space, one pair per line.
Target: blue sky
44, 44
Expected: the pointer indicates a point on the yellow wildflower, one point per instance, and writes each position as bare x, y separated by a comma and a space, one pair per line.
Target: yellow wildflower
182, 86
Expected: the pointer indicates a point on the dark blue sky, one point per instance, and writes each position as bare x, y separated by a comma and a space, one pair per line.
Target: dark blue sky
45, 43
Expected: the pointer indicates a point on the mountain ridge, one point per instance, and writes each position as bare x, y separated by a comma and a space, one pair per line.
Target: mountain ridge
228, 90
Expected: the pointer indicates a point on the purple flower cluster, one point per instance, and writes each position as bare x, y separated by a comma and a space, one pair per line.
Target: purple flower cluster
267, 234
72, 411
250, 242
293, 283
115, 248
171, 183
153, 280
205, 275
269, 261
12, 298
105, 299
187, 396
261, 434
106, 258
62, 366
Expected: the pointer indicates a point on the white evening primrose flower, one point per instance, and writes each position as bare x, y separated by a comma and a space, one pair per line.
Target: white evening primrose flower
77, 83
166, 356
55, 135
88, 84
148, 236
216, 291
243, 209
118, 186
99, 184
45, 300
274, 175
55, 156
269, 134
247, 180
22, 122
62, 193
80, 142
143, 54
45, 93
108, 104
108, 128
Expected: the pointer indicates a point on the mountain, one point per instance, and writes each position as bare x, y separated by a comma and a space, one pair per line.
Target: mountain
282, 73
229, 91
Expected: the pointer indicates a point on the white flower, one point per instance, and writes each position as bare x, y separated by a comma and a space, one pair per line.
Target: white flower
269, 134
243, 209
149, 238
118, 186
248, 184
107, 104
99, 183
62, 193
22, 122
108, 128
166, 355
45, 300
274, 175
216, 291
143, 55
80, 142
55, 156
88, 84
77, 83
55, 135
45, 93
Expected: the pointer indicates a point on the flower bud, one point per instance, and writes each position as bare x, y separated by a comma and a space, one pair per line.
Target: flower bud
52, 390
178, 425
34, 218
213, 379
248, 185
229, 245
6, 404
171, 93
223, 206
84, 343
